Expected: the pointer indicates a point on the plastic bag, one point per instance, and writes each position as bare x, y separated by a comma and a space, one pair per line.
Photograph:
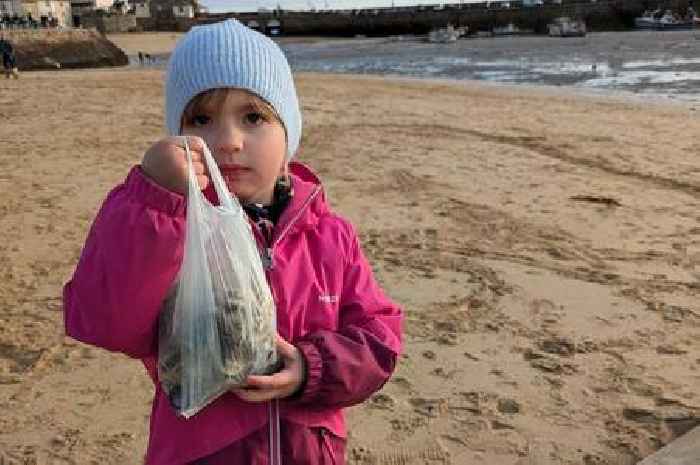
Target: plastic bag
218, 324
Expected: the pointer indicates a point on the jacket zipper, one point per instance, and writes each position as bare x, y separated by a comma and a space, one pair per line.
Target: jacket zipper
267, 256
268, 249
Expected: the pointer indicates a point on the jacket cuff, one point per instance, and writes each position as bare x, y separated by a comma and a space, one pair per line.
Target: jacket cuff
153, 195
314, 369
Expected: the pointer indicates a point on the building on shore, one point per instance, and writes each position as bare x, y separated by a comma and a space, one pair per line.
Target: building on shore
184, 10
166, 8
142, 8
165, 15
49, 13
80, 8
11, 8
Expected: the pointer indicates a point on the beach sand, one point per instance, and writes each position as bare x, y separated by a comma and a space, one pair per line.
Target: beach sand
545, 248
147, 42
157, 43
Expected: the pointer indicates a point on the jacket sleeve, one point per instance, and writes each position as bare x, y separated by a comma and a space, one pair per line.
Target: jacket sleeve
130, 259
346, 366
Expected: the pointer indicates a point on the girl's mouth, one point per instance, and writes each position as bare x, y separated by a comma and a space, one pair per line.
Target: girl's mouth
232, 170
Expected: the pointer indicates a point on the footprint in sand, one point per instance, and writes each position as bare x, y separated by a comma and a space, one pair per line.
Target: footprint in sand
382, 401
509, 406
409, 424
557, 346
670, 350
402, 382
442, 373
432, 408
549, 364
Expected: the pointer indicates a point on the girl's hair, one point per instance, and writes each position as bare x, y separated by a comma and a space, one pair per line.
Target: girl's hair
213, 100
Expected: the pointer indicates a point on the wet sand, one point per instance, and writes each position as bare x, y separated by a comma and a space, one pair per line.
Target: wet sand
146, 42
641, 63
545, 247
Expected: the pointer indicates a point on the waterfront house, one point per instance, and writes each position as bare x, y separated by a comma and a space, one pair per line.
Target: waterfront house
11, 8
173, 8
49, 13
81, 8
142, 8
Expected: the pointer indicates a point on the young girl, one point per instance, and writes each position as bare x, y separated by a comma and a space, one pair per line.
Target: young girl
339, 335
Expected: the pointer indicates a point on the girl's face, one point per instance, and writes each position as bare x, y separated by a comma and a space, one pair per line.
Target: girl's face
245, 137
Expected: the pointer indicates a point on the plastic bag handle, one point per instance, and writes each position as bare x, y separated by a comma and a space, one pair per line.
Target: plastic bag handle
226, 200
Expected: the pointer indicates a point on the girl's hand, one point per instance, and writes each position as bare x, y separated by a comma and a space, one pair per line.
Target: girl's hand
282, 384
166, 163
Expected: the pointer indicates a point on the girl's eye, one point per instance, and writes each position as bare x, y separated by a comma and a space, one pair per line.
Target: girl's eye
200, 120
254, 118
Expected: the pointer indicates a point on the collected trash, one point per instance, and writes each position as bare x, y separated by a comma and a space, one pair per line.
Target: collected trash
217, 325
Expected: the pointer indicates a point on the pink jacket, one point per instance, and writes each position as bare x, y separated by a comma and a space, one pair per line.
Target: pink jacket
328, 305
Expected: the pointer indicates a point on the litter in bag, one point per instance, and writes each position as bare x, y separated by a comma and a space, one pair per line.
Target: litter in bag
218, 323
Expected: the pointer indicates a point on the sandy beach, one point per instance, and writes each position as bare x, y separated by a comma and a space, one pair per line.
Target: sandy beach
545, 247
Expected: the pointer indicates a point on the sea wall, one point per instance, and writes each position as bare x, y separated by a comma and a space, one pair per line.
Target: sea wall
53, 49
598, 14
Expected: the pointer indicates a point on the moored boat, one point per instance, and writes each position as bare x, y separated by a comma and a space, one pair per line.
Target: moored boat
567, 27
667, 20
446, 34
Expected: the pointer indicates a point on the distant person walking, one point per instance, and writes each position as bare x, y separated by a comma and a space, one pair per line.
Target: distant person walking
145, 58
9, 63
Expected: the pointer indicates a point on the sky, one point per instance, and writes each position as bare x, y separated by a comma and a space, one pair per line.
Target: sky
216, 6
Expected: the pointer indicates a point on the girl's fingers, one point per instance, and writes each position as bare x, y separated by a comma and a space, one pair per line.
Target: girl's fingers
196, 157
202, 181
253, 395
277, 381
259, 382
198, 167
197, 153
285, 349
260, 388
244, 394
195, 143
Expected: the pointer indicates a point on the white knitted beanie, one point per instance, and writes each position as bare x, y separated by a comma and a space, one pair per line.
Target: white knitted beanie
229, 54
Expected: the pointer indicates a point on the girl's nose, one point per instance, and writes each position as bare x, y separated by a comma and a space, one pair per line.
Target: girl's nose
229, 140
